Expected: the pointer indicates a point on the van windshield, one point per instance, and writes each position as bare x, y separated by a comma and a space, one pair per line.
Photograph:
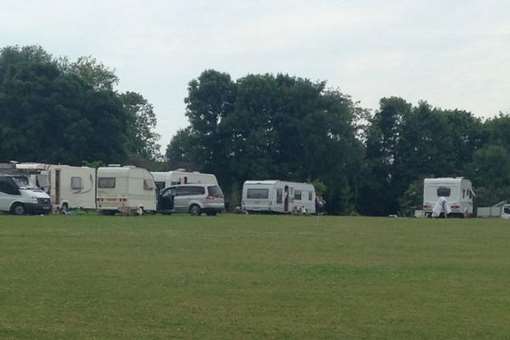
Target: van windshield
215, 191
21, 181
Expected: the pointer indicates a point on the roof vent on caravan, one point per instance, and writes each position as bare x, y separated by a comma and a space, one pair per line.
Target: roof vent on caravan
114, 165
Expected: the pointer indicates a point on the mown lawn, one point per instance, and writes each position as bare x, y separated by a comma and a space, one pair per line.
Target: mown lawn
253, 277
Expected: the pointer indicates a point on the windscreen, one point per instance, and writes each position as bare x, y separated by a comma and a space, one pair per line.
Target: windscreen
21, 181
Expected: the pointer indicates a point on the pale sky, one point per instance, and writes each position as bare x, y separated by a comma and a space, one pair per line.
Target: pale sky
452, 53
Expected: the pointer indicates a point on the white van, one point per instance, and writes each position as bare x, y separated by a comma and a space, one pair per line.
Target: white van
19, 198
69, 187
457, 191
176, 177
278, 196
125, 188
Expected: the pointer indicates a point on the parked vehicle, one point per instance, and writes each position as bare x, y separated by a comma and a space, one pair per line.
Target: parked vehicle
458, 193
278, 197
19, 198
176, 177
125, 188
505, 212
69, 187
193, 198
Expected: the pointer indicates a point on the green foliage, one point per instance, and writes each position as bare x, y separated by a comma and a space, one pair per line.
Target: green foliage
271, 126
57, 111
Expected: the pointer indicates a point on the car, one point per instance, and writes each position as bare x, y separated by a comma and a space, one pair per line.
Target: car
192, 198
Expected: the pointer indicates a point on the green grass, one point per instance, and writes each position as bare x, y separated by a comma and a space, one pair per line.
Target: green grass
253, 277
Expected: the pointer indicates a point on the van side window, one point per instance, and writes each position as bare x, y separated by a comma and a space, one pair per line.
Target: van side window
106, 182
8, 187
297, 195
76, 183
148, 184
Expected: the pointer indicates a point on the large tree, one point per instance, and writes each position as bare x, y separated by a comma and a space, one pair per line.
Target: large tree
57, 111
267, 126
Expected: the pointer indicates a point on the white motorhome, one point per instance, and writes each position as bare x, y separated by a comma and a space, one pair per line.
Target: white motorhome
69, 187
19, 198
457, 191
176, 177
125, 188
278, 196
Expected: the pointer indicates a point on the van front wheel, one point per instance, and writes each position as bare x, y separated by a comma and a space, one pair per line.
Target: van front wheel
18, 209
195, 210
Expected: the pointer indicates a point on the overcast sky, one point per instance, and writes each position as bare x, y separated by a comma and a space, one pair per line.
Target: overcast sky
454, 54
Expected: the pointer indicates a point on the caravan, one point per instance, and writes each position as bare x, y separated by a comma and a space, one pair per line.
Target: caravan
176, 177
125, 188
278, 196
70, 187
458, 193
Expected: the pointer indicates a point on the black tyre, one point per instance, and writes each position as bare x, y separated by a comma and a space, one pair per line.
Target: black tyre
195, 210
211, 213
18, 209
65, 209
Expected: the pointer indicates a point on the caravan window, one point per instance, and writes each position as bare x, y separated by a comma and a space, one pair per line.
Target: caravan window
279, 196
297, 195
443, 192
310, 195
106, 182
76, 183
257, 194
148, 184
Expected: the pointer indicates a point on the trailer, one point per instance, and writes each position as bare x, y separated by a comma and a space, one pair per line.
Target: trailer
458, 193
125, 189
70, 187
180, 176
278, 197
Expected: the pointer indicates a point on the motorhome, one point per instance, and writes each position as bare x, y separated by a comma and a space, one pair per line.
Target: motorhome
70, 187
19, 198
458, 193
125, 188
176, 177
278, 197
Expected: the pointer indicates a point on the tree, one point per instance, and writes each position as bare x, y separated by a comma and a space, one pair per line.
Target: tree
143, 140
267, 126
52, 110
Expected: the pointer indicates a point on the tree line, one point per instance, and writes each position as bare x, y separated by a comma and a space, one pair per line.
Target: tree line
260, 126
283, 127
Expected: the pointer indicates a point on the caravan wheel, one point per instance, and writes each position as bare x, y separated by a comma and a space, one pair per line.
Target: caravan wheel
140, 211
65, 209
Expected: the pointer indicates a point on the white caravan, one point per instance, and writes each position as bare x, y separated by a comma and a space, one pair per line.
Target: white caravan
278, 196
458, 193
176, 177
69, 187
124, 189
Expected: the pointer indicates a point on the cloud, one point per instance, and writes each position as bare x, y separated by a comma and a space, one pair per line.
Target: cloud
451, 53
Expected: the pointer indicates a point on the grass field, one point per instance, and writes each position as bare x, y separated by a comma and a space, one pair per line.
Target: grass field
253, 277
